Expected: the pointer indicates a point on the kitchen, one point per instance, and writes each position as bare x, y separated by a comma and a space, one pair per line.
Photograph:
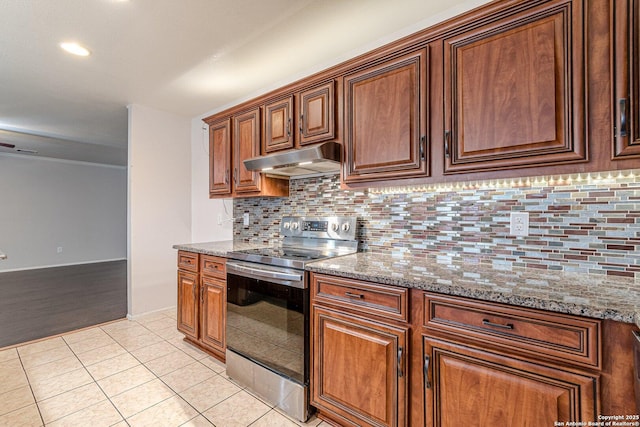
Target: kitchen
437, 206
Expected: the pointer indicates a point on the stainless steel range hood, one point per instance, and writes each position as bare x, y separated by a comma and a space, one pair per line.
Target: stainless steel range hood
320, 159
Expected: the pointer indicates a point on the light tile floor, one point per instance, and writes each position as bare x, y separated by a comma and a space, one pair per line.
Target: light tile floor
126, 373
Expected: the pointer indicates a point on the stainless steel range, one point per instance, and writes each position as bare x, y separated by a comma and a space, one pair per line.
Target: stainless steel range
268, 309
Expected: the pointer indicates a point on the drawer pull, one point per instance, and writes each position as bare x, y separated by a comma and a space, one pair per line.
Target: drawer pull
352, 295
425, 368
497, 325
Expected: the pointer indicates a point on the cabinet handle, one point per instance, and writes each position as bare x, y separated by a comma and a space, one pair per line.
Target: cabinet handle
400, 373
423, 143
425, 371
226, 177
497, 325
195, 291
623, 117
202, 295
235, 175
352, 295
289, 127
447, 135
301, 123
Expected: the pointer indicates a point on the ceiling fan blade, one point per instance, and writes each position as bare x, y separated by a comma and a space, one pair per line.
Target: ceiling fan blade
4, 144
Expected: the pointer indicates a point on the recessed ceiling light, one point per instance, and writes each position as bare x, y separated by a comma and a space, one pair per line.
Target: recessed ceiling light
75, 49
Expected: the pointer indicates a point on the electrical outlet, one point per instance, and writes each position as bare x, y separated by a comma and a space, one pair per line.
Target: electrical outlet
59, 249
245, 218
219, 219
519, 224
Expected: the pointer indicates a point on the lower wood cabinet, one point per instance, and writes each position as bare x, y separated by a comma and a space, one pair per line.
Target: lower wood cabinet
213, 314
388, 356
467, 386
359, 362
202, 298
188, 305
359, 369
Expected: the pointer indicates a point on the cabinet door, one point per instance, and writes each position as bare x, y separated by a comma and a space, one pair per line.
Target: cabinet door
246, 144
514, 90
465, 386
213, 298
316, 120
278, 126
220, 158
385, 119
188, 304
359, 369
626, 51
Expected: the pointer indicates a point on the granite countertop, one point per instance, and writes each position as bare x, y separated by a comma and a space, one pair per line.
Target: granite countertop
221, 248
591, 295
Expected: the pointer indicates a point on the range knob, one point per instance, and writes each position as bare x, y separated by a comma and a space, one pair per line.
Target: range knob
335, 226
294, 226
346, 226
286, 225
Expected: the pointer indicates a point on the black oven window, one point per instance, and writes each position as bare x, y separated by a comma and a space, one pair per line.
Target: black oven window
266, 323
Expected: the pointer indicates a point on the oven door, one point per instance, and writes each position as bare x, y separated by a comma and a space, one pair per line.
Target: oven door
268, 317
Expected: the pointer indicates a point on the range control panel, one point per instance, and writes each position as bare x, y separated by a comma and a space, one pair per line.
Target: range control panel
334, 227
315, 225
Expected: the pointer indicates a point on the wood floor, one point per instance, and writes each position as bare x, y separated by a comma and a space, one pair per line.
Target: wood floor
48, 301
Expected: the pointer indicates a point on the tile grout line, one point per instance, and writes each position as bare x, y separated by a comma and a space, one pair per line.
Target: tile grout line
75, 388
141, 364
35, 402
157, 377
174, 346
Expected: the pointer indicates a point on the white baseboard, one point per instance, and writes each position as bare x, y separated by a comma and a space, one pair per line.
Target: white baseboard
137, 316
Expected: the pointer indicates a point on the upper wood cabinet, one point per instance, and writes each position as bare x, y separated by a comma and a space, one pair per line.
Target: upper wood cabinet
626, 51
220, 157
246, 144
278, 125
231, 141
385, 120
548, 85
514, 89
316, 114
302, 118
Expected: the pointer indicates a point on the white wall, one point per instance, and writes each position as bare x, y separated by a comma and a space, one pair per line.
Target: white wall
46, 204
159, 205
205, 211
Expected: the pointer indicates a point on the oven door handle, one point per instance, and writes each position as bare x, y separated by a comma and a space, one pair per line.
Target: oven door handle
260, 273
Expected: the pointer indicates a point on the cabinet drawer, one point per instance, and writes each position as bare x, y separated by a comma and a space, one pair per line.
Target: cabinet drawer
213, 266
368, 298
188, 261
561, 337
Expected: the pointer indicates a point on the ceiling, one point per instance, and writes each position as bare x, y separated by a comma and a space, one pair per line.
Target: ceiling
187, 57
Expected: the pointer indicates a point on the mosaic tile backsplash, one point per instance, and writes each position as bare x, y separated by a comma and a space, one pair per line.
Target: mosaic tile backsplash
588, 224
